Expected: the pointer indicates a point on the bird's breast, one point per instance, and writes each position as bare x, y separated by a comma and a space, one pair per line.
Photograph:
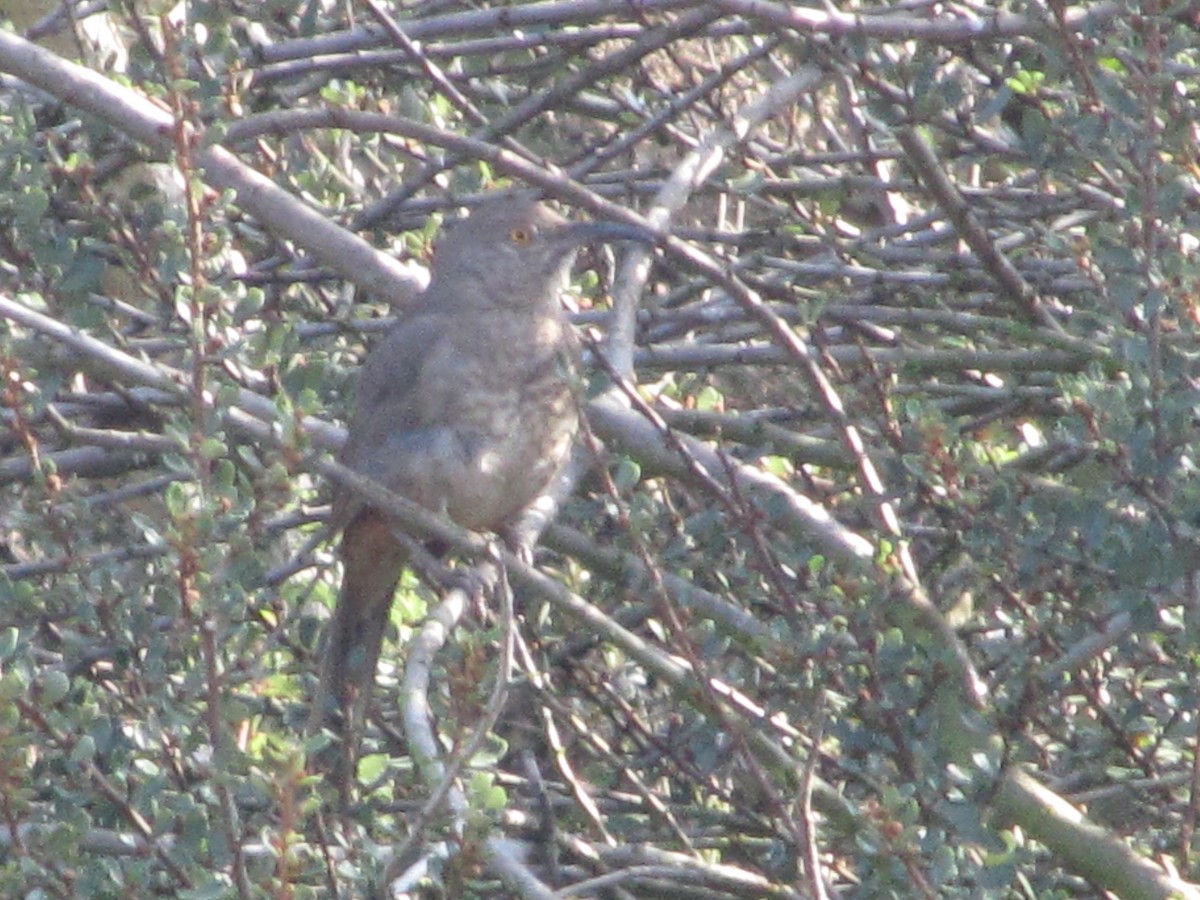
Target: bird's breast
506, 398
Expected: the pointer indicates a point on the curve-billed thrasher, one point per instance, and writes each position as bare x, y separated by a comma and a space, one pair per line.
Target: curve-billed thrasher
466, 408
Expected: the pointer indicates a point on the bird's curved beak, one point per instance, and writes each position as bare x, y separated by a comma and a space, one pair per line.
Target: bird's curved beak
604, 232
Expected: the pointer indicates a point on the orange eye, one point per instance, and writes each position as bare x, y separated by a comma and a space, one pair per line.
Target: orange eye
520, 235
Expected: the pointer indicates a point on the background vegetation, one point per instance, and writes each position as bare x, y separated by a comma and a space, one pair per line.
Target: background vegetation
884, 584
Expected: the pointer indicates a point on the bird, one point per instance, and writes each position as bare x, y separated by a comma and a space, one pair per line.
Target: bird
467, 407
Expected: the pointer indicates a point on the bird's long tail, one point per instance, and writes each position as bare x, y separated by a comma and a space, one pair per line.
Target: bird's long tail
372, 561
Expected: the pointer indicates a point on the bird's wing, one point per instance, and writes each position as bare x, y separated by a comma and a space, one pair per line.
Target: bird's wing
385, 408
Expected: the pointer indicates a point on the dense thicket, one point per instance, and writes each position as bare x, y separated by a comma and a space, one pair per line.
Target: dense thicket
881, 580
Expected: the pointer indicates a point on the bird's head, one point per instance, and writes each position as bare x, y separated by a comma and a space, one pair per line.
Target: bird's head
516, 251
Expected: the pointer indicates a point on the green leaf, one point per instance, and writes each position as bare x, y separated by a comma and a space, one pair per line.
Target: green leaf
54, 686
9, 638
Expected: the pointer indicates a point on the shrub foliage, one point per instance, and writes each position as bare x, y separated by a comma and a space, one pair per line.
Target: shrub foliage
879, 578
